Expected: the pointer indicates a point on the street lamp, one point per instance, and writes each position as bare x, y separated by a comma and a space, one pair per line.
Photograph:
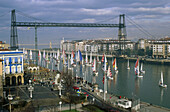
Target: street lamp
10, 98
31, 89
59, 87
60, 104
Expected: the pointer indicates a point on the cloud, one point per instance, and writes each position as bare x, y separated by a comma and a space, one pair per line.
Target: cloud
145, 13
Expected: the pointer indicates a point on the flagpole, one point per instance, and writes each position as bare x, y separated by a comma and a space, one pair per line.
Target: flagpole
105, 86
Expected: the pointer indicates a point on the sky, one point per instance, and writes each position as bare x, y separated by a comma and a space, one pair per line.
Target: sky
153, 16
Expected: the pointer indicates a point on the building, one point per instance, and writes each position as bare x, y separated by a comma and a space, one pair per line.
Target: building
1, 84
161, 49
12, 66
144, 43
3, 45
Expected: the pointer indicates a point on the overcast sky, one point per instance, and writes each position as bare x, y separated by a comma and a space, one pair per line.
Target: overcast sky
152, 15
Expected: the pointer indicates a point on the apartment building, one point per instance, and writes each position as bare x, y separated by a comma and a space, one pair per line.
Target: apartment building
12, 65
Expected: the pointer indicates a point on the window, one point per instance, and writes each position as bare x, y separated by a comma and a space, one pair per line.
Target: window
19, 69
7, 69
19, 60
13, 60
7, 61
13, 69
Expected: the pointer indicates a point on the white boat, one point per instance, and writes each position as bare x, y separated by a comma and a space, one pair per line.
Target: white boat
128, 67
94, 68
115, 66
109, 73
161, 83
141, 68
137, 72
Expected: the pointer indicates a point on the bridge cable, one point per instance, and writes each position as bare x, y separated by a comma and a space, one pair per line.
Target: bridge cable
139, 27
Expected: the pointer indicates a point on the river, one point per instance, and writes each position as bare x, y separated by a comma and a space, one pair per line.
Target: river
125, 83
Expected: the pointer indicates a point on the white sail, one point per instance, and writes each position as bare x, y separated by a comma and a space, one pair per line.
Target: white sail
161, 80
128, 67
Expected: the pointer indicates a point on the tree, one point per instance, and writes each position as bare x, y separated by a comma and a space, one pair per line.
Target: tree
68, 83
141, 52
148, 51
128, 52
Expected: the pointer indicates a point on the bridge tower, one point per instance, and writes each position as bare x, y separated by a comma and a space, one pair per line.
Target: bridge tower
14, 36
122, 28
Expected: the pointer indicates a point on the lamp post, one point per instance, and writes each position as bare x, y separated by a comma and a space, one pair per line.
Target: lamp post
60, 104
31, 89
10, 98
59, 87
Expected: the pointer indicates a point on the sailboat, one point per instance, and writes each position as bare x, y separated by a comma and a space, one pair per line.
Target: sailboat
109, 73
94, 68
115, 66
161, 83
137, 72
141, 68
128, 67
72, 59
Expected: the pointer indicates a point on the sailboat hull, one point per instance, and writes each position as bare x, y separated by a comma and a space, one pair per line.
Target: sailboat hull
163, 85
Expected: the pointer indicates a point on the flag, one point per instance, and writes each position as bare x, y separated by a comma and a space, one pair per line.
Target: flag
39, 56
80, 55
103, 58
30, 54
44, 54
103, 79
114, 63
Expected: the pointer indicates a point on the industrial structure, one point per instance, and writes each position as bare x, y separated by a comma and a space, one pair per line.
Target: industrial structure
15, 24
